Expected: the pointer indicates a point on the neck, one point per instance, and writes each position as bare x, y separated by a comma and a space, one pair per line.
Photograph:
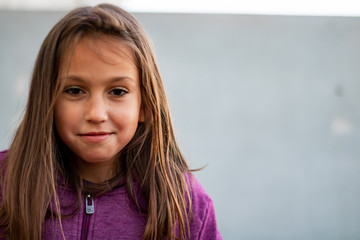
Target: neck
95, 172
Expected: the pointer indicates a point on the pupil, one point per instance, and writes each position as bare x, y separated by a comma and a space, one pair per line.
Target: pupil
75, 91
117, 91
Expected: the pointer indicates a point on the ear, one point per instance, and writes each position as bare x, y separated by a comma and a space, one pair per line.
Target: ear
142, 115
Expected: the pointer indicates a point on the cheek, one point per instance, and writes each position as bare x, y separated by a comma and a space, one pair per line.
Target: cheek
126, 119
65, 118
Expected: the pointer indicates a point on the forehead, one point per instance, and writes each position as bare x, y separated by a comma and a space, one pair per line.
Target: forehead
108, 48
98, 61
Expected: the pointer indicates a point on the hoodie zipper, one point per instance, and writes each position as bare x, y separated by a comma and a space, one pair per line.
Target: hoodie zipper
89, 210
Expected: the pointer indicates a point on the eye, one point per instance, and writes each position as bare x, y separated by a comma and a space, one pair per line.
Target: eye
74, 91
118, 92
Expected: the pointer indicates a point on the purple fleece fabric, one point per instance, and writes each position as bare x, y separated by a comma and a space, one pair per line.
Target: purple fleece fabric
115, 217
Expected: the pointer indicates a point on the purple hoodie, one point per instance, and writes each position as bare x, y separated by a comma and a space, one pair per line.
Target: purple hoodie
113, 216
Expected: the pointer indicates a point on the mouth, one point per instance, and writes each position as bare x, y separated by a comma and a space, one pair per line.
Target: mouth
95, 137
94, 133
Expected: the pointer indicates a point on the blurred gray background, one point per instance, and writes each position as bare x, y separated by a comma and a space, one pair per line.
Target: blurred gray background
268, 103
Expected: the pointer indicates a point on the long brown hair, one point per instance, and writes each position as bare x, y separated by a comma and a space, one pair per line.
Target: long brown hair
34, 161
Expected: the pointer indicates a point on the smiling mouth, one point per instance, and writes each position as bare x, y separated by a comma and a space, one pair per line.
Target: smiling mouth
95, 137
95, 133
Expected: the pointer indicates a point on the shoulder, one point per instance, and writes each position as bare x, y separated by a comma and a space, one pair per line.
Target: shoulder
200, 199
203, 220
3, 155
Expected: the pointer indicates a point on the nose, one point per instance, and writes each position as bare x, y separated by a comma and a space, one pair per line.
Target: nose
96, 110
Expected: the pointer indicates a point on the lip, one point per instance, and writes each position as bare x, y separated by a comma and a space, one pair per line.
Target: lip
95, 137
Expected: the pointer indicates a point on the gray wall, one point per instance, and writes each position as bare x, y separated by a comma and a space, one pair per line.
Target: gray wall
268, 103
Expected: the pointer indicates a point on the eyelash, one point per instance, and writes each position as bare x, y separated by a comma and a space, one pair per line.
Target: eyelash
77, 91
120, 91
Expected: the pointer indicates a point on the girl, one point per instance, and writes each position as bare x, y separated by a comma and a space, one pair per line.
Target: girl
95, 156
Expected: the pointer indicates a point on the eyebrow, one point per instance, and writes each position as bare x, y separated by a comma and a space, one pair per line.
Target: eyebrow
111, 80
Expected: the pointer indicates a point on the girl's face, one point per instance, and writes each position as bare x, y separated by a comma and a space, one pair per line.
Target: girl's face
98, 111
